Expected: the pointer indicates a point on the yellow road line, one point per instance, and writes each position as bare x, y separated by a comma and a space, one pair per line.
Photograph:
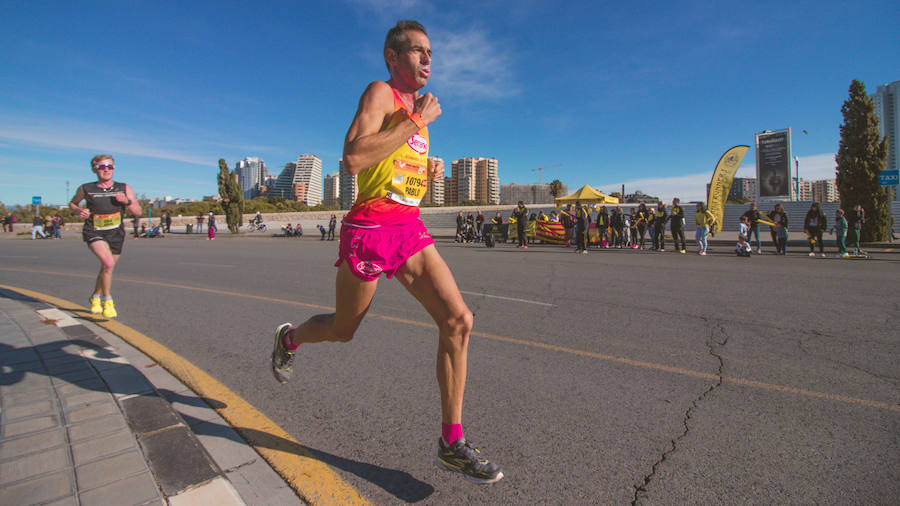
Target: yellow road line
311, 479
522, 342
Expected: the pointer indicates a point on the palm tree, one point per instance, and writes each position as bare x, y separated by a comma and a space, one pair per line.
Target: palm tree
556, 188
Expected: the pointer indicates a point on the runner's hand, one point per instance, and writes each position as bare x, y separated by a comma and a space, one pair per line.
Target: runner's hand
435, 168
428, 108
121, 197
85, 213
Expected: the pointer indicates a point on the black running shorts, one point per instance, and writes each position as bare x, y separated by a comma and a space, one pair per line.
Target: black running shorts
115, 238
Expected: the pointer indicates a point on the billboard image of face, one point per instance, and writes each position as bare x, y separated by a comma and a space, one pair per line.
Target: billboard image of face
773, 163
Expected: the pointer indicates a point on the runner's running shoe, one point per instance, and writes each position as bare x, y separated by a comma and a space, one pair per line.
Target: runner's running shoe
96, 308
464, 458
282, 357
109, 309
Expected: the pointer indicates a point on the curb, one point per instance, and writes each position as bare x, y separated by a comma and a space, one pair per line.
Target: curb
312, 480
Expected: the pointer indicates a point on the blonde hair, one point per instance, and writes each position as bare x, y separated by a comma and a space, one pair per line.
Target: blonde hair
97, 158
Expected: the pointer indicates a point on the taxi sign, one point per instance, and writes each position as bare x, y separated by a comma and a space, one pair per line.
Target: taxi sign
889, 177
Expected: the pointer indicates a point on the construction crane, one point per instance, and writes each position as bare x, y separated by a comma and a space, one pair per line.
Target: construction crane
539, 170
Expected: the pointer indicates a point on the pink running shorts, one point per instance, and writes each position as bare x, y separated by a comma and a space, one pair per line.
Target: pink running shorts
371, 251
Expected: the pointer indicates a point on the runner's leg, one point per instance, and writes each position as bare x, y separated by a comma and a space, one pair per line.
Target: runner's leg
353, 299
108, 261
426, 276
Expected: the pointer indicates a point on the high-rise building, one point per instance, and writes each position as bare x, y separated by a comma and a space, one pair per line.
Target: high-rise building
348, 187
463, 173
301, 181
825, 190
252, 173
332, 190
487, 180
434, 194
804, 188
475, 179
887, 108
451, 191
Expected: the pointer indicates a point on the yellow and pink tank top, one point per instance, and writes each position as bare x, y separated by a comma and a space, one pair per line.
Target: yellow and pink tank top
390, 191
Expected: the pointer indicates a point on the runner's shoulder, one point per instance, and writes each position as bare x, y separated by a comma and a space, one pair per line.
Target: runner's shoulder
378, 93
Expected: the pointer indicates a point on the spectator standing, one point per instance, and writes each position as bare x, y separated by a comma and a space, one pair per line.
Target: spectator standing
582, 220
567, 216
780, 230
8, 222
168, 222
753, 215
840, 232
603, 226
676, 223
814, 224
856, 220
460, 223
643, 218
211, 227
521, 215
199, 223
322, 231
661, 219
332, 224
704, 220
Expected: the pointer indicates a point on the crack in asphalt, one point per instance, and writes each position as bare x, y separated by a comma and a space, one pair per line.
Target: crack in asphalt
713, 346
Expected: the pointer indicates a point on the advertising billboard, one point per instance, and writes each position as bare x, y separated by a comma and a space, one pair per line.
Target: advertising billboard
773, 163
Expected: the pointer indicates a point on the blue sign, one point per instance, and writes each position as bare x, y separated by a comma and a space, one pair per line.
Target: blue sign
36, 201
889, 177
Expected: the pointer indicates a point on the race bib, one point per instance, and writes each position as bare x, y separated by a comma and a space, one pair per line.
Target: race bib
408, 183
107, 221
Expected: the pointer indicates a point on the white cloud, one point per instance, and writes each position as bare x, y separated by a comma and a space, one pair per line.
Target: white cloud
693, 186
67, 133
469, 65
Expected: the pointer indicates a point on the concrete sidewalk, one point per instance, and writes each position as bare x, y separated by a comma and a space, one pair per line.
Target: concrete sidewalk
87, 419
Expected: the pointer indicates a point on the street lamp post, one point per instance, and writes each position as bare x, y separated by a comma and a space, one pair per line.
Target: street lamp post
797, 165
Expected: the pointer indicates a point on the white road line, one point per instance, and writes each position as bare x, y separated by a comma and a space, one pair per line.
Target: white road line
508, 298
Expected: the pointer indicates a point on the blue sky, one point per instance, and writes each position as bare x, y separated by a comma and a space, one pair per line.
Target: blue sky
648, 94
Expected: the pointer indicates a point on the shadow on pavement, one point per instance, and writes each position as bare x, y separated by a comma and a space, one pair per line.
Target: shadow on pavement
400, 484
52, 360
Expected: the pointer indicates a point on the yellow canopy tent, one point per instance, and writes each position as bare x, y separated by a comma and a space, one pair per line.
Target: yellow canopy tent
587, 195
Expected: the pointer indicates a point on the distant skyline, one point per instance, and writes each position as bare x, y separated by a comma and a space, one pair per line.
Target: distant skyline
648, 94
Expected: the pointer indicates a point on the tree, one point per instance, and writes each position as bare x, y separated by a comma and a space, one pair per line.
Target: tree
861, 156
232, 197
556, 188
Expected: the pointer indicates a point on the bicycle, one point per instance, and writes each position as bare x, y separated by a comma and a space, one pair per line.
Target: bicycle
254, 226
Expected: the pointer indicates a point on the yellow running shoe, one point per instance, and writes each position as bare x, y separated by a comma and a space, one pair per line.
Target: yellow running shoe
95, 305
109, 309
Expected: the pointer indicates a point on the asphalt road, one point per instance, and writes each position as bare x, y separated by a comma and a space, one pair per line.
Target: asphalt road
606, 378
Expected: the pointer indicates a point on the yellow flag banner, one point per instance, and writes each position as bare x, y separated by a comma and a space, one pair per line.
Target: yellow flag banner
720, 185
551, 232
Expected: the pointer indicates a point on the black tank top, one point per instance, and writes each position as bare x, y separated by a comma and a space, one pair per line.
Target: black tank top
106, 212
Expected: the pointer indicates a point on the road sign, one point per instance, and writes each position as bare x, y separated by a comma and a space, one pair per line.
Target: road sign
36, 201
889, 177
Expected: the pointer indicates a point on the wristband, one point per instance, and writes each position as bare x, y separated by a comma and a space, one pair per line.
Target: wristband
417, 119
128, 203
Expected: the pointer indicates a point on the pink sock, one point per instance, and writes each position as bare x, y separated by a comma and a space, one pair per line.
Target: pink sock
287, 340
451, 432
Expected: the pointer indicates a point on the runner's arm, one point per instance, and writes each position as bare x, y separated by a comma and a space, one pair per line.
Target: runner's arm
76, 200
135, 206
366, 143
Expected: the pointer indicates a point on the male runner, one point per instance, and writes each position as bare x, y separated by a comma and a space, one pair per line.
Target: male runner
386, 147
104, 225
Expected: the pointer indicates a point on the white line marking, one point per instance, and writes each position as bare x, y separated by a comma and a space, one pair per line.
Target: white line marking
508, 298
